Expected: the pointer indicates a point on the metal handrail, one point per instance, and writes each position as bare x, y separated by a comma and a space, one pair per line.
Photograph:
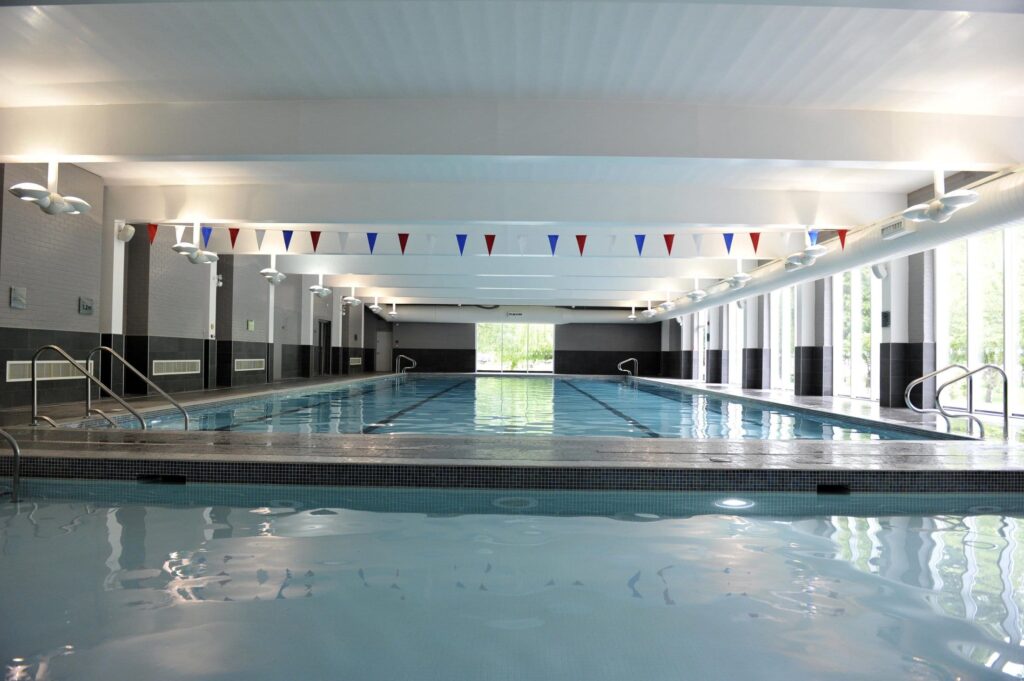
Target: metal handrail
917, 381
1006, 396
398, 364
636, 366
16, 470
124, 362
74, 363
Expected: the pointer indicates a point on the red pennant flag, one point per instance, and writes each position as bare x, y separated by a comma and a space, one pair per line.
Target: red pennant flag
581, 241
233, 233
842, 237
403, 239
152, 232
755, 239
669, 240
489, 238
315, 238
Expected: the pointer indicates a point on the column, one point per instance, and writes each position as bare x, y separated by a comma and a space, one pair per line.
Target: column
671, 354
337, 329
907, 350
813, 361
756, 352
687, 338
352, 351
112, 301
717, 353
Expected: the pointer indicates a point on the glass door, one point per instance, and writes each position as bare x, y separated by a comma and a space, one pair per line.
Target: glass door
515, 347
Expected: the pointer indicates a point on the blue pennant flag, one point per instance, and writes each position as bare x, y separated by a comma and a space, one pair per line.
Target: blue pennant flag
461, 238
207, 232
813, 236
553, 240
640, 243
728, 242
371, 238
287, 238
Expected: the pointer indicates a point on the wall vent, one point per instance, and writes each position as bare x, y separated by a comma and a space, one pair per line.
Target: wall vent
895, 229
355, 361
46, 369
176, 367
250, 364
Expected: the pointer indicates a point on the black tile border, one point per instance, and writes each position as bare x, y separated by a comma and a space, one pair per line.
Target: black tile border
528, 477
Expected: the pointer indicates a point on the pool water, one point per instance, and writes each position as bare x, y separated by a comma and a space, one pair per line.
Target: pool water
467, 404
124, 581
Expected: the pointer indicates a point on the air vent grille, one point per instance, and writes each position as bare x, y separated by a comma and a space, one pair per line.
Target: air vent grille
46, 370
176, 367
250, 364
355, 361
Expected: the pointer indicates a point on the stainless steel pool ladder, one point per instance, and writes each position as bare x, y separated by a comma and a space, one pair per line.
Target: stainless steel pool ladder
636, 366
37, 417
113, 353
16, 466
921, 410
398, 364
970, 403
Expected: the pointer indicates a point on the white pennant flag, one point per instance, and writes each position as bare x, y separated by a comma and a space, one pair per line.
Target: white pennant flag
698, 239
260, 233
522, 244
342, 241
611, 243
430, 244
179, 233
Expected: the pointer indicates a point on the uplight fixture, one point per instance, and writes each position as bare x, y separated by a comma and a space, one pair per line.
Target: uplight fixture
649, 312
393, 312
351, 298
632, 313
47, 198
376, 305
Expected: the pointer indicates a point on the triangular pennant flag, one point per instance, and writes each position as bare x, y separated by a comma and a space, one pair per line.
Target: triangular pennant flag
521, 240
842, 237
233, 233
640, 238
728, 242
581, 241
812, 235
152, 232
553, 242
430, 244
287, 234
342, 241
489, 238
698, 239
315, 238
179, 233
207, 233
461, 238
755, 239
371, 239
260, 233
669, 240
403, 239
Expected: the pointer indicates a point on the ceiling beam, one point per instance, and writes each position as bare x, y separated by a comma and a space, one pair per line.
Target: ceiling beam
397, 203
326, 129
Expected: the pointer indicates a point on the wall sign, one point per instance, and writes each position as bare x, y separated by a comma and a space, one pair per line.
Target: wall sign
19, 297
85, 305
250, 324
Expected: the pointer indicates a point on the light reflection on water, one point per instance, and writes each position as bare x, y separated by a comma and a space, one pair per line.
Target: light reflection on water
512, 587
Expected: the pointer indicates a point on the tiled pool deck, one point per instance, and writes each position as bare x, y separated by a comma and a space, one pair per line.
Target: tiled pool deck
535, 462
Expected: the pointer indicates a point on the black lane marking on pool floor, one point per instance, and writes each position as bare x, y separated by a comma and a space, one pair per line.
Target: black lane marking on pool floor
387, 420
266, 417
625, 417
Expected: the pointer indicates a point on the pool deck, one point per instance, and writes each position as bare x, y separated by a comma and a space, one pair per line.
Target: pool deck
531, 461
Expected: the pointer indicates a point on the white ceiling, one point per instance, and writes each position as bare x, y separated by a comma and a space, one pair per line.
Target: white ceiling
733, 54
439, 117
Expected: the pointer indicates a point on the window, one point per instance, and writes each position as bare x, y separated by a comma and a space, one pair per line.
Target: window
856, 333
515, 347
783, 337
978, 315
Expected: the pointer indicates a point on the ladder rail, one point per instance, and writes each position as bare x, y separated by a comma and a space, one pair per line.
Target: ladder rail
16, 466
921, 410
398, 364
113, 353
636, 366
36, 417
968, 376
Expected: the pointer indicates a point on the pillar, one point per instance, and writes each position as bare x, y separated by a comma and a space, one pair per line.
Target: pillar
112, 301
718, 353
337, 330
813, 365
671, 354
756, 352
352, 350
687, 339
907, 350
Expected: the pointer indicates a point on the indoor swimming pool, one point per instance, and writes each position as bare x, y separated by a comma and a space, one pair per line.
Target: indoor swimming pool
219, 582
521, 405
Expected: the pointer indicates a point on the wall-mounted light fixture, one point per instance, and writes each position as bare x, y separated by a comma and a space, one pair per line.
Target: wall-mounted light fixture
47, 198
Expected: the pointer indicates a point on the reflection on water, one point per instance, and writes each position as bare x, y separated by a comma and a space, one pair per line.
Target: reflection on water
289, 589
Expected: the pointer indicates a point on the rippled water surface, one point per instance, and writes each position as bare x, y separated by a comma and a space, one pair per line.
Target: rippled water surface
536, 405
121, 581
